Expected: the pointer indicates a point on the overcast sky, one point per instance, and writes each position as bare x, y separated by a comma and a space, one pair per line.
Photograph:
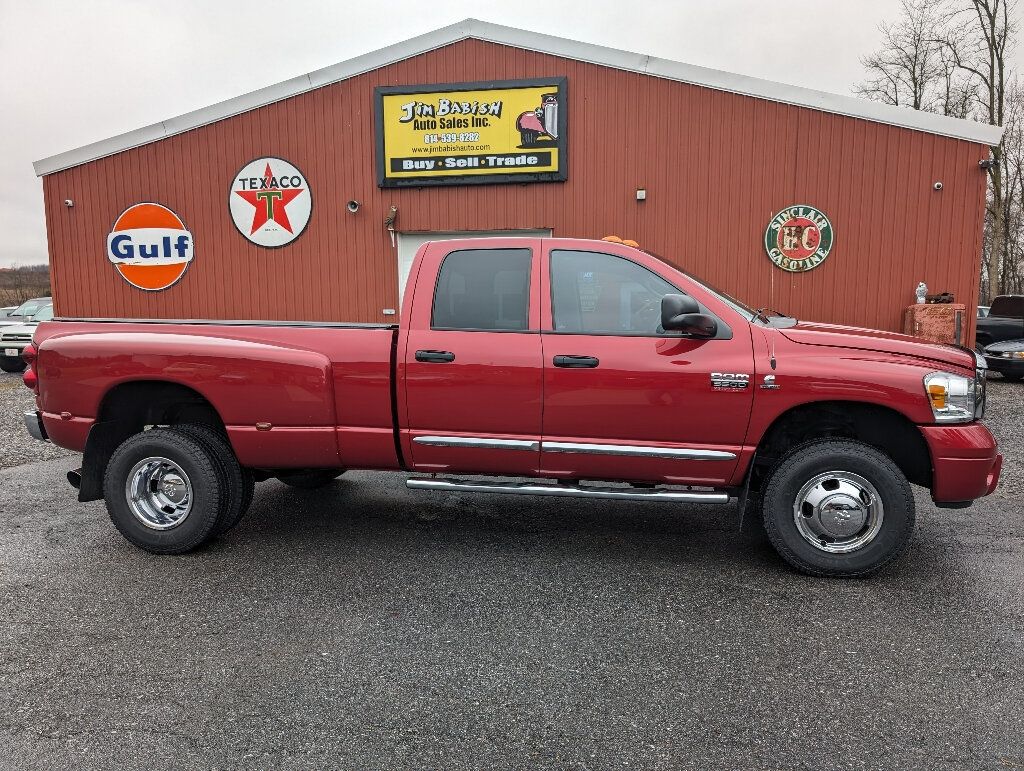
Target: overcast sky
76, 72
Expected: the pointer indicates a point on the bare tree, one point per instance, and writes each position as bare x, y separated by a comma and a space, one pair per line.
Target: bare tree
908, 68
976, 38
1011, 276
949, 57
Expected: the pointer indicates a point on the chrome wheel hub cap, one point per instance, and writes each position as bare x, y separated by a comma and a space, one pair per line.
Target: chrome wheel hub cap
838, 512
159, 493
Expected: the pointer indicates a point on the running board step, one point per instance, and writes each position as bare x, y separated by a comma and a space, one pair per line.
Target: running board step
569, 491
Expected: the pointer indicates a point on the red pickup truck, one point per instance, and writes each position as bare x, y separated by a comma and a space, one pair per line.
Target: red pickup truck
593, 368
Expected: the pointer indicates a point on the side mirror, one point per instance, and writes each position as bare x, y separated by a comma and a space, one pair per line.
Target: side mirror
682, 314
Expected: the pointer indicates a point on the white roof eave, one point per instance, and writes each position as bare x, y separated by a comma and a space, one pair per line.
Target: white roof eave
533, 41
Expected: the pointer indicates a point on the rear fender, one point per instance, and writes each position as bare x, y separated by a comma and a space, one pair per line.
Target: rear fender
246, 382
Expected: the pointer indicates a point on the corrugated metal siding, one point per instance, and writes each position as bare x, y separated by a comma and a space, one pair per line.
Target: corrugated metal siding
716, 167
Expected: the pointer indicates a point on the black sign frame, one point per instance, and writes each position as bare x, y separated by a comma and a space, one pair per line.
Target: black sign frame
561, 175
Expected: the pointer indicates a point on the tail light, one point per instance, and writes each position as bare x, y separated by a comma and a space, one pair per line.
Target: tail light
30, 378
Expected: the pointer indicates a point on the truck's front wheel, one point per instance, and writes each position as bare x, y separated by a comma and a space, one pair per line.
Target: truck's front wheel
163, 491
838, 508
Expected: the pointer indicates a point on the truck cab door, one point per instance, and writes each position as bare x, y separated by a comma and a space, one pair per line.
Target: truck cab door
470, 373
624, 399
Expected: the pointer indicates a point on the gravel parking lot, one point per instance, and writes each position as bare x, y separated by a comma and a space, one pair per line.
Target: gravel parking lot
368, 626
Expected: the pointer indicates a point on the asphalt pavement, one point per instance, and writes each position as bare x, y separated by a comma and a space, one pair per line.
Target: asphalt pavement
367, 626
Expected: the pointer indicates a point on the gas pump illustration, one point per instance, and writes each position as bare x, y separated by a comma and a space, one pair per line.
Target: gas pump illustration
541, 122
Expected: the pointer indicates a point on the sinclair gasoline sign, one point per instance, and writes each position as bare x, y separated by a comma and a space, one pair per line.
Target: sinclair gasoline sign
466, 133
798, 238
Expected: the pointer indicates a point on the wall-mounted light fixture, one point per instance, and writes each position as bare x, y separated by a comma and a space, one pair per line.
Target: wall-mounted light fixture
641, 194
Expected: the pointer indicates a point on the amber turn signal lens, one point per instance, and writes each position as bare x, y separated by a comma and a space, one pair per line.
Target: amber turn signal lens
937, 396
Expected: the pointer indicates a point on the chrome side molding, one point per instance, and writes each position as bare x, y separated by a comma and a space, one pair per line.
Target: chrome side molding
478, 442
569, 491
637, 451
630, 450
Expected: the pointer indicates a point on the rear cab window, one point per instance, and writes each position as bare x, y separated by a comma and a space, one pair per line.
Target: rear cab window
1008, 306
483, 290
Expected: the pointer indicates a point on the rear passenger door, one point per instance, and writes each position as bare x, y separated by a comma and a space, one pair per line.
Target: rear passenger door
472, 367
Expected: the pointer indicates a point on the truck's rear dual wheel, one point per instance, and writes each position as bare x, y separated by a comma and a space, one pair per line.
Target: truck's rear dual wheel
164, 491
238, 482
838, 508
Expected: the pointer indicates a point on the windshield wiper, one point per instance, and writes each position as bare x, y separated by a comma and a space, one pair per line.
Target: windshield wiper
766, 313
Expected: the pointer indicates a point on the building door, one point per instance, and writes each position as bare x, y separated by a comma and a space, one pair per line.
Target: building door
408, 243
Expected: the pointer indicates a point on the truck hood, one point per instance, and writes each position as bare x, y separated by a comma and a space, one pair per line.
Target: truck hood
838, 336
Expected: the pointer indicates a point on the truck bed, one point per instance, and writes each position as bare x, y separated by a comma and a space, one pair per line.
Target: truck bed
316, 390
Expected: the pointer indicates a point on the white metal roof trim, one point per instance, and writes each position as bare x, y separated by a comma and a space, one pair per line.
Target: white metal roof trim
541, 43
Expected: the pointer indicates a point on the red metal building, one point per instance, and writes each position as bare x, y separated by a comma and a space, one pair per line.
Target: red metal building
890, 197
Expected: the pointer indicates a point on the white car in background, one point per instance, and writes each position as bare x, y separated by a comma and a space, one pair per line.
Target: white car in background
7, 311
14, 338
24, 312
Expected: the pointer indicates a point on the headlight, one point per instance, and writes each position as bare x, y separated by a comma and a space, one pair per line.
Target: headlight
953, 398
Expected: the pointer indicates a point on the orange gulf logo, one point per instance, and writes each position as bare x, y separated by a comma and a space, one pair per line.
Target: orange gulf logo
149, 246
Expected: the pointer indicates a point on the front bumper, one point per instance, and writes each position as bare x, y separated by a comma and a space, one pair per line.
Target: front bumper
965, 461
18, 346
34, 425
1005, 365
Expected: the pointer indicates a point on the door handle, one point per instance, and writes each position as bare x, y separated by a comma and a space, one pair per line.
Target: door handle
435, 356
577, 362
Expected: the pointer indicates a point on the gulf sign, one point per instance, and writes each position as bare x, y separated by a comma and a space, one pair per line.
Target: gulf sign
149, 246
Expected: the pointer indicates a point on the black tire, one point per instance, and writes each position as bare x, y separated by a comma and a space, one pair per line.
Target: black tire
199, 468
8, 364
803, 465
237, 481
310, 480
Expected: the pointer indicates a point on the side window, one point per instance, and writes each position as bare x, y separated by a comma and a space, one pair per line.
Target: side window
483, 289
600, 293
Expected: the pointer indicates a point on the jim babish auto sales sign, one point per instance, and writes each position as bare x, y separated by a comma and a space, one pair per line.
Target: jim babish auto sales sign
466, 133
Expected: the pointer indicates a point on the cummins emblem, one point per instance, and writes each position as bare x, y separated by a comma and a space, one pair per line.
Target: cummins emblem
729, 380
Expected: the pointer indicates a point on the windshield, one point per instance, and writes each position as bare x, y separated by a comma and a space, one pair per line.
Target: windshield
737, 305
29, 307
43, 314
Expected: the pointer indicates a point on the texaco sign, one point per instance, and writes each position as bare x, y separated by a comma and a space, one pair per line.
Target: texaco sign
270, 202
799, 238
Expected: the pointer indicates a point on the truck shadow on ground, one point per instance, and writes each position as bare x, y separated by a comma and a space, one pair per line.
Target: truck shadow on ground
365, 510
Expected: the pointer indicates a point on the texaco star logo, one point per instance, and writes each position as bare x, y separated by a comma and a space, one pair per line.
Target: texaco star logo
799, 238
270, 202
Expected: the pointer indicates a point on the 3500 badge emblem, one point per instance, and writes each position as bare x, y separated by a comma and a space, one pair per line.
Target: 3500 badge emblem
799, 238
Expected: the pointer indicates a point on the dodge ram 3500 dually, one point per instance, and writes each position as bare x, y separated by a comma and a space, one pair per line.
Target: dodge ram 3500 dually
576, 363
